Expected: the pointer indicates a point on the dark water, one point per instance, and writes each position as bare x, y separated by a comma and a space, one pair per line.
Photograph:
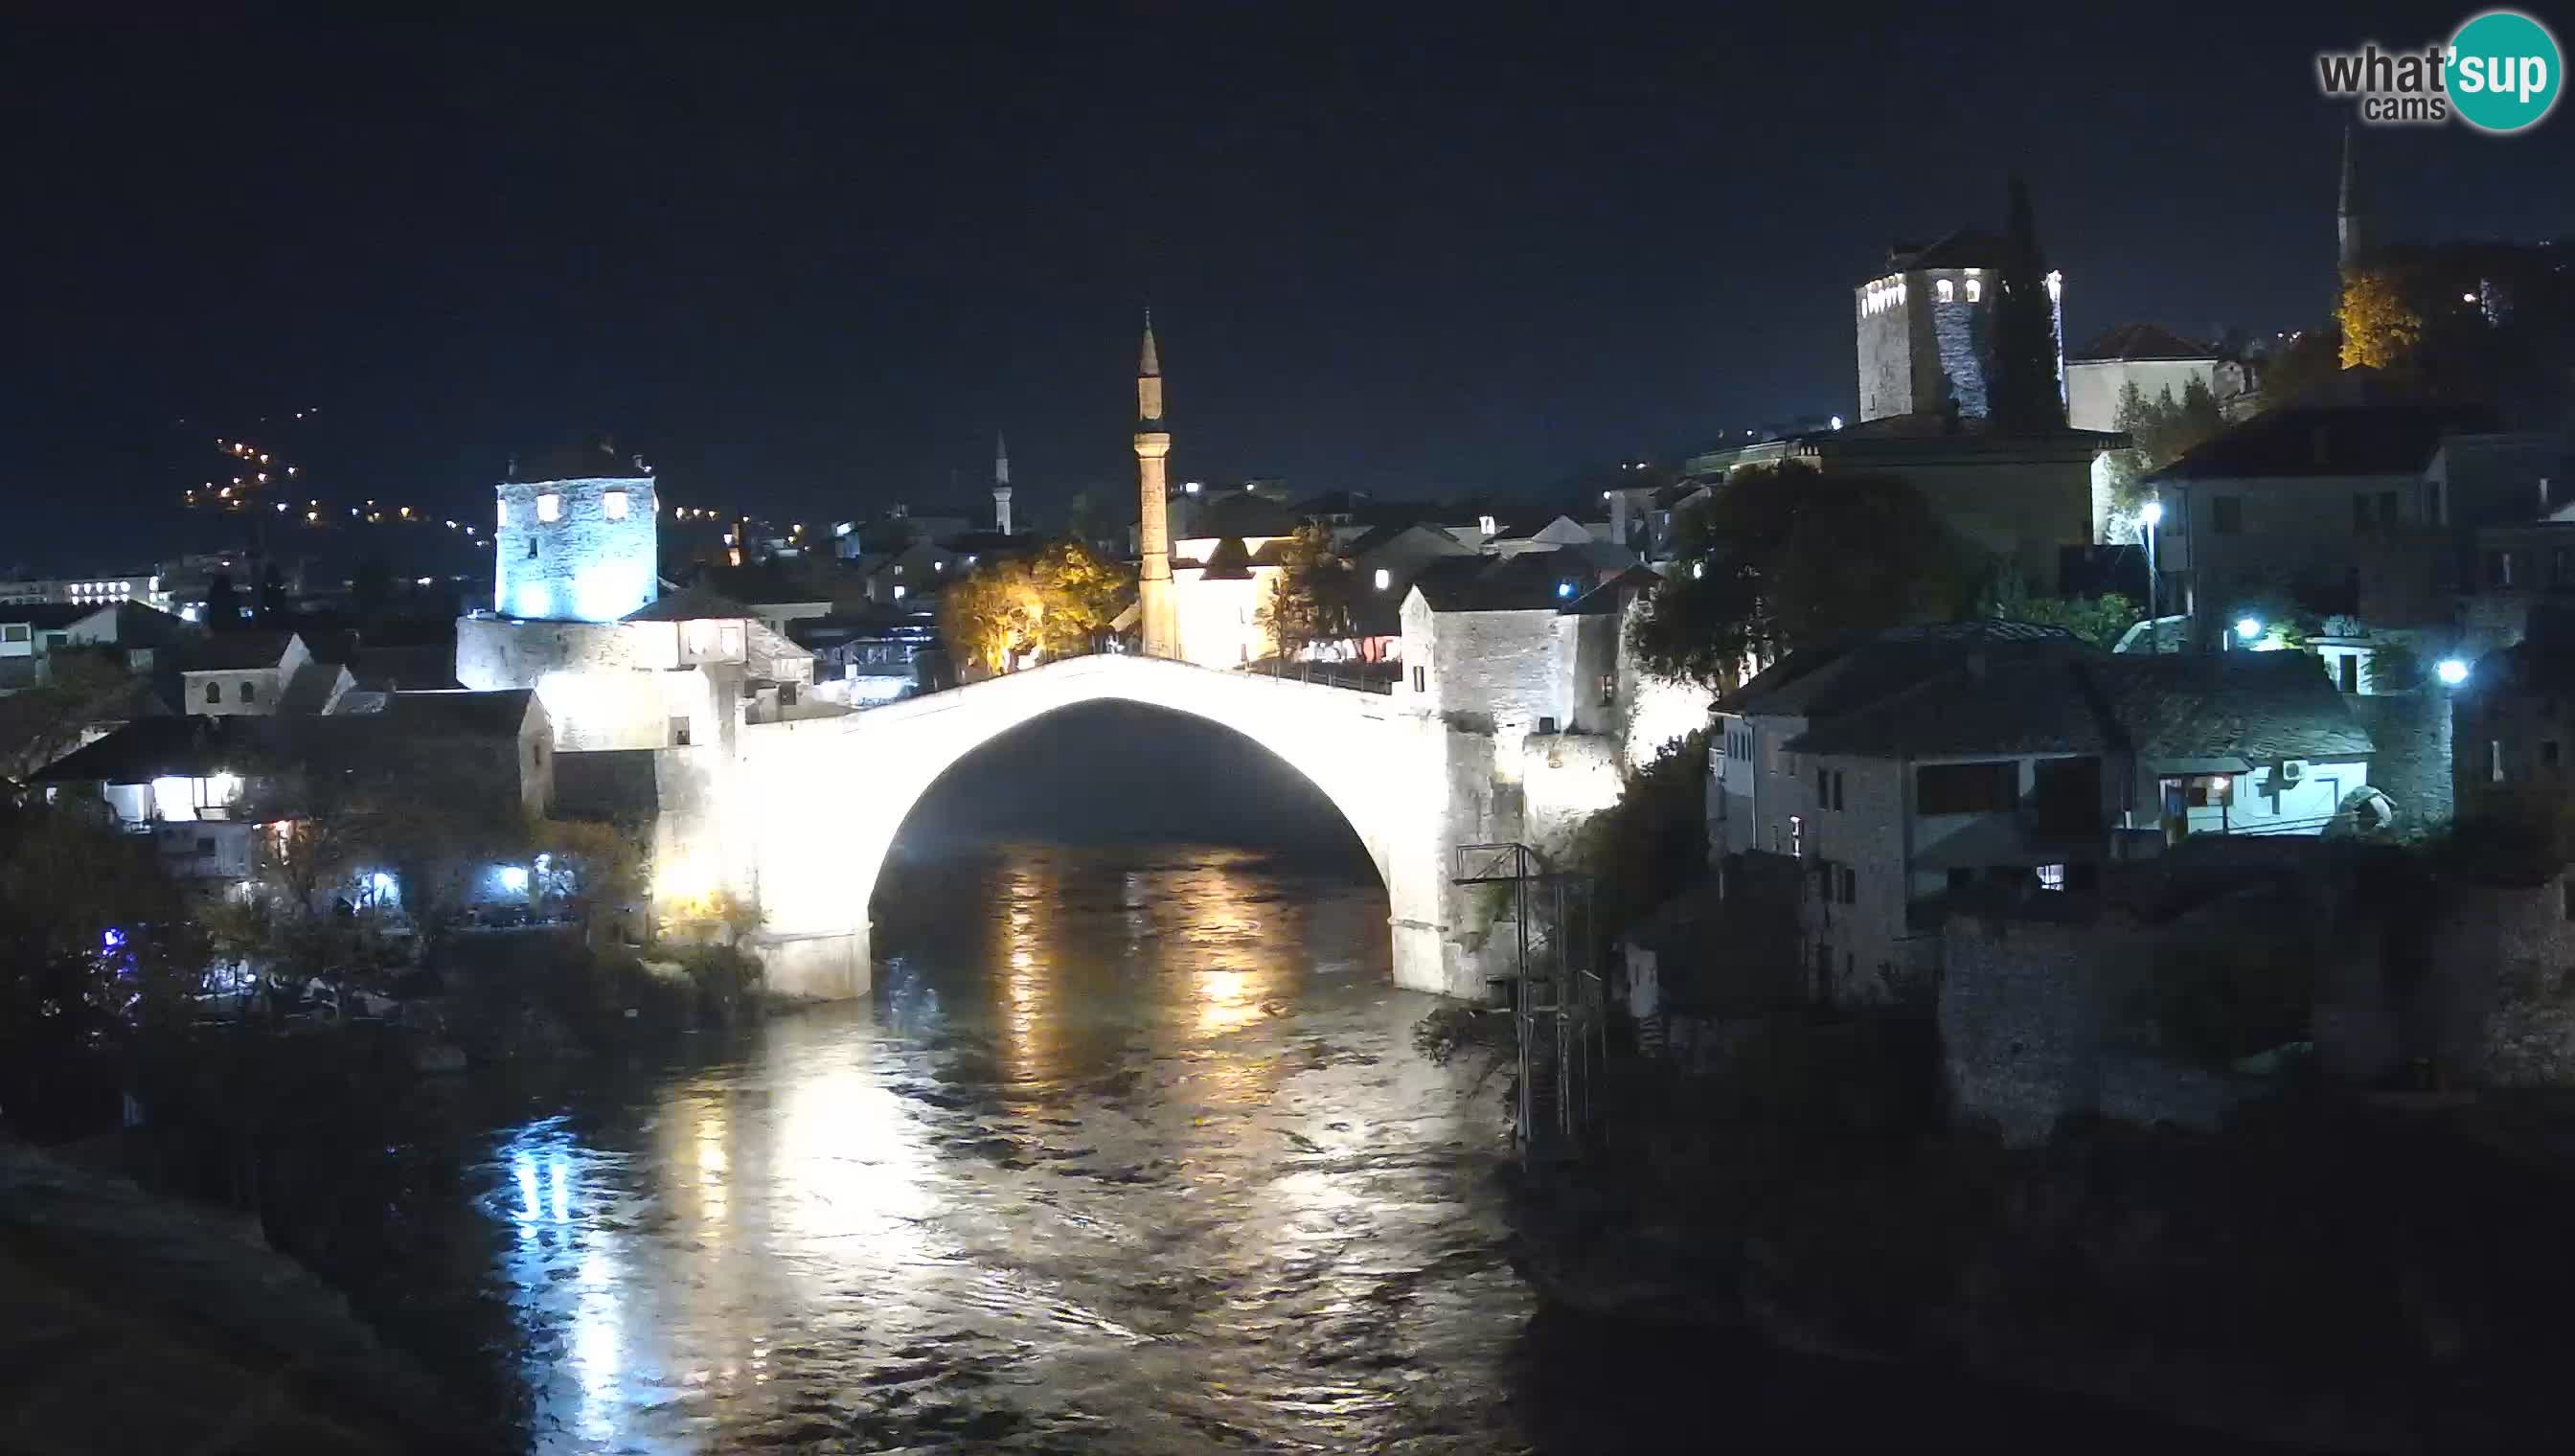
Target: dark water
1130, 1153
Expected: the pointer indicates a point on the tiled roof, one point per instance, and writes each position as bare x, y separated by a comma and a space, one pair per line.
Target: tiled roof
233, 652
2140, 342
497, 713
1965, 247
689, 603
2307, 439
2256, 705
1862, 668
48, 615
1530, 581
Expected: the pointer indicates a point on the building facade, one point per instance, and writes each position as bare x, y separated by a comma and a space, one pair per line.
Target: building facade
575, 538
1925, 324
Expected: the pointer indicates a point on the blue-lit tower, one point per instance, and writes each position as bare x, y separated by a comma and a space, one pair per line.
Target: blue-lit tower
577, 538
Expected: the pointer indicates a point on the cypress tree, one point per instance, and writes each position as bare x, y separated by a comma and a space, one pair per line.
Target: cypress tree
2024, 395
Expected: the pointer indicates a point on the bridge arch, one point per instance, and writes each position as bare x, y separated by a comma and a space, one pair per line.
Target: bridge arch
824, 797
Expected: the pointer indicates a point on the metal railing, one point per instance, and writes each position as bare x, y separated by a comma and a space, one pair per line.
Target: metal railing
1556, 993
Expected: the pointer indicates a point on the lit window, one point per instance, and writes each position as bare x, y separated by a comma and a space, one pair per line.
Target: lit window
899, 592
505, 512
1948, 291
1384, 579
1975, 290
2051, 877
1797, 836
612, 505
550, 507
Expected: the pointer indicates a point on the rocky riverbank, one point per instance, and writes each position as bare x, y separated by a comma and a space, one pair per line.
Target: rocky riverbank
2327, 1274
137, 1323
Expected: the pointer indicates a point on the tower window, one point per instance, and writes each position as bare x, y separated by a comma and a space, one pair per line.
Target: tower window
550, 507
1975, 290
250, 691
505, 512
611, 504
1948, 291
214, 693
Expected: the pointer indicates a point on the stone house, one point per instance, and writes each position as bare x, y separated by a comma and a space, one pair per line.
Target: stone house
258, 674
2513, 728
1902, 769
2149, 356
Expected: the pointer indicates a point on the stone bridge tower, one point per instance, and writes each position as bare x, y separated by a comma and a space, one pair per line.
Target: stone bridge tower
1158, 614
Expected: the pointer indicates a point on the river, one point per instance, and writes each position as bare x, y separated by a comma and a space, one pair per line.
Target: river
1128, 1152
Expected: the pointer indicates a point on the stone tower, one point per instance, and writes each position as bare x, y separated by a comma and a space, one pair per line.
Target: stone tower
577, 538
1158, 615
2350, 238
1000, 485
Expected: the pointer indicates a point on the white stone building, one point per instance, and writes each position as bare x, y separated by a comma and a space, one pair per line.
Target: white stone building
576, 538
1925, 327
1912, 772
2154, 359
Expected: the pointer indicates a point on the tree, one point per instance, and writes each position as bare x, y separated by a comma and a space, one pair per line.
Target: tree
370, 587
272, 594
1780, 557
1056, 605
223, 604
2380, 330
1312, 602
2310, 359
2027, 397
596, 867
2160, 430
97, 952
2100, 621
1077, 596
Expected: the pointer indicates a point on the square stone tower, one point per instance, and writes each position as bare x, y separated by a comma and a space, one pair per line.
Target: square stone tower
1925, 327
578, 538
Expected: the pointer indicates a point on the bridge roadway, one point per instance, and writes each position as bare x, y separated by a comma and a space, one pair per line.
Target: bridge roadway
820, 800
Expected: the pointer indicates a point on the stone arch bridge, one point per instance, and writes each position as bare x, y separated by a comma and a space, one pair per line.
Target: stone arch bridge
818, 802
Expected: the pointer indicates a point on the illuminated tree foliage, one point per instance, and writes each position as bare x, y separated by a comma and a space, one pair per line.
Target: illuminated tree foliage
1057, 604
1312, 604
2099, 620
1780, 557
2380, 330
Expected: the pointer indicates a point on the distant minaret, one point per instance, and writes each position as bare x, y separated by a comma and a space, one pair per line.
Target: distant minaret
2347, 215
1160, 614
1000, 485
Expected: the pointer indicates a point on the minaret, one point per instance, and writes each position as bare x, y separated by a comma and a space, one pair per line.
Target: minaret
1000, 483
1159, 614
2347, 214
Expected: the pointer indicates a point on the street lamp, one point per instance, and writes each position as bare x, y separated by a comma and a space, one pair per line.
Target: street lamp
2153, 516
2248, 627
2452, 672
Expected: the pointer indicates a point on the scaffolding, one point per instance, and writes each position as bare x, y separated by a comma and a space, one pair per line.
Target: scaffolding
1552, 980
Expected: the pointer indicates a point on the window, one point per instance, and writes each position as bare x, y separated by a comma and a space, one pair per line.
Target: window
214, 693
2226, 515
13, 632
1846, 884
2548, 753
611, 504
1609, 688
1837, 788
2494, 760
550, 507
679, 733
2360, 518
2499, 569
1421, 679
2349, 665
1948, 291
532, 548
1823, 789
2566, 897
1975, 289
2199, 790
1546, 725
1384, 579
2387, 508
1798, 835
1966, 788
2051, 877
505, 512
249, 691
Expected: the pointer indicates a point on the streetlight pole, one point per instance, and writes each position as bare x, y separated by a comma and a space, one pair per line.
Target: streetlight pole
2153, 516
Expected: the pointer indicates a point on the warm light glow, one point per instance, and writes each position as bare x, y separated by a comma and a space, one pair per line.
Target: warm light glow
2152, 512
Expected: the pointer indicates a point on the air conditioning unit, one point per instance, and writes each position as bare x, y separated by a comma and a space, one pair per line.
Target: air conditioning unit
2292, 770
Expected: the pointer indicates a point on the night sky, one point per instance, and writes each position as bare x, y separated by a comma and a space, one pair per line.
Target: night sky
809, 267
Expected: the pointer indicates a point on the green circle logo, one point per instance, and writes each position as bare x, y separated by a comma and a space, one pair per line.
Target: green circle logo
2503, 71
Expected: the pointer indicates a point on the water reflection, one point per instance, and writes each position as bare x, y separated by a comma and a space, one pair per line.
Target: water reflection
1127, 1157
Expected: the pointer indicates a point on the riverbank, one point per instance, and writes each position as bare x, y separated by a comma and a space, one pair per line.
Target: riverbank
137, 1323
2327, 1272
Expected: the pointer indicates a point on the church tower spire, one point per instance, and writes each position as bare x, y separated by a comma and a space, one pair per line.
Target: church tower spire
1000, 483
1159, 614
2349, 239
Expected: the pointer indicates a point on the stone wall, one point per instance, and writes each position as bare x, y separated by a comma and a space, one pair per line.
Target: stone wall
2504, 963
2411, 764
586, 564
